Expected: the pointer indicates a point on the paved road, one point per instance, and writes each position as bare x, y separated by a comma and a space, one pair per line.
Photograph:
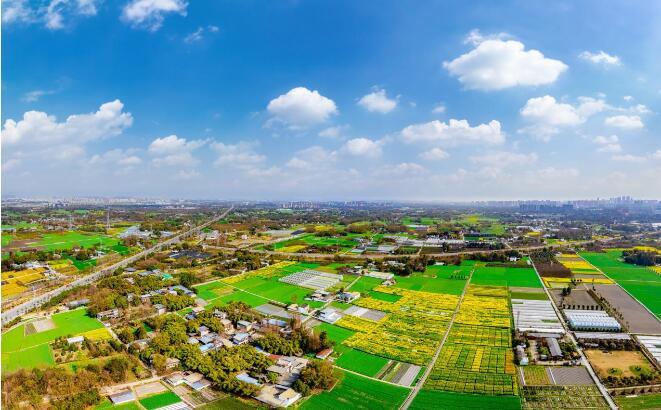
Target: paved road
584, 359
26, 307
430, 366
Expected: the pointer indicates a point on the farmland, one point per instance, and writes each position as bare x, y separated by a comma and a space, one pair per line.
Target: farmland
506, 276
641, 282
361, 362
477, 357
20, 349
358, 392
648, 401
562, 397
160, 400
428, 399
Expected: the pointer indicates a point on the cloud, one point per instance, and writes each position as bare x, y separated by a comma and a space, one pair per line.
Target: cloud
363, 147
10, 164
548, 115
496, 64
35, 95
629, 158
438, 109
401, 169
198, 35
174, 151
301, 108
657, 154
454, 132
552, 173
434, 154
37, 127
627, 122
239, 155
117, 157
600, 58
150, 14
503, 159
378, 101
608, 144
335, 132
185, 175
54, 15
314, 157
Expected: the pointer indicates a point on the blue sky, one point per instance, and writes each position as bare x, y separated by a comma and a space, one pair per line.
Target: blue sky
331, 100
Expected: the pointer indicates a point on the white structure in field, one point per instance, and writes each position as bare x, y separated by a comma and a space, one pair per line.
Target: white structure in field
312, 279
653, 345
535, 316
594, 320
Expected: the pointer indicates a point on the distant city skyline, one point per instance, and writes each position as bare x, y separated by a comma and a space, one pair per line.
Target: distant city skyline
416, 101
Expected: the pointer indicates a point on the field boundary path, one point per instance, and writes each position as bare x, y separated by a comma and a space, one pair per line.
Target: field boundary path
584, 359
430, 366
36, 302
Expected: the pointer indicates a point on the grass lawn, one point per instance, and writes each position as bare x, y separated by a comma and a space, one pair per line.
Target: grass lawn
236, 296
160, 400
361, 362
207, 290
513, 277
358, 392
646, 401
639, 281
432, 399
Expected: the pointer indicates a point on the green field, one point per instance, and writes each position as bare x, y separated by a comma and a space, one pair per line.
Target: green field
361, 362
437, 279
639, 281
512, 277
358, 392
107, 404
387, 297
231, 403
160, 400
59, 241
365, 284
529, 295
642, 402
19, 350
432, 399
336, 334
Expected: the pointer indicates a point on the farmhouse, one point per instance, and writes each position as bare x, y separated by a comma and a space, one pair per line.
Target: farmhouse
124, 396
278, 397
75, 340
328, 315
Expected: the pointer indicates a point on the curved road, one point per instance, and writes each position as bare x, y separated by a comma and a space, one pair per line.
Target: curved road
26, 307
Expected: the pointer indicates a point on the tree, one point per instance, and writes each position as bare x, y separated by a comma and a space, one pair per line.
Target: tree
159, 362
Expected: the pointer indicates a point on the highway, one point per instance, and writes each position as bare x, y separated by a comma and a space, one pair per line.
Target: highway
38, 301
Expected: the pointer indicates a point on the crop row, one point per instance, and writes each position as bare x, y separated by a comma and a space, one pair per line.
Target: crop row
472, 382
480, 335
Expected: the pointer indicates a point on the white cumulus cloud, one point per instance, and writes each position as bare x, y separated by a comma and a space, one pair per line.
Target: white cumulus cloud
378, 101
434, 154
609, 144
37, 127
150, 14
495, 64
363, 147
302, 108
600, 58
627, 122
174, 151
240, 155
454, 132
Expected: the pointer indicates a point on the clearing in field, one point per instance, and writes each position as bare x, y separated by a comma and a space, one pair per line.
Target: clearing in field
358, 392
432, 399
39, 326
619, 363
